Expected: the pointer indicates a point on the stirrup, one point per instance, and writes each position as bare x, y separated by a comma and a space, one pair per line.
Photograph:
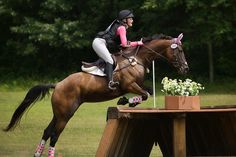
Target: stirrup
112, 85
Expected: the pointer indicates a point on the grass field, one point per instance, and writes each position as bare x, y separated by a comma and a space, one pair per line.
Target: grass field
82, 134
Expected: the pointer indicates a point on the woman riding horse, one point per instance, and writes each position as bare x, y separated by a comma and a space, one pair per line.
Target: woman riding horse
82, 87
109, 41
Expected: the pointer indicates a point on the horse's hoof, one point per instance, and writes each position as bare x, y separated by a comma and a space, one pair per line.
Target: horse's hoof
37, 155
133, 104
122, 101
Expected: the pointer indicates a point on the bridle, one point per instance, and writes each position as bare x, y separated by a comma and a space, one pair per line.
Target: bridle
176, 52
133, 61
177, 58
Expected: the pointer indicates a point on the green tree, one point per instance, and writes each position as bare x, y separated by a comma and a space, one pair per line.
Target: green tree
211, 23
55, 35
207, 25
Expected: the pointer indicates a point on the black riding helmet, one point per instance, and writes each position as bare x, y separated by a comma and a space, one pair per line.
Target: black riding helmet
124, 14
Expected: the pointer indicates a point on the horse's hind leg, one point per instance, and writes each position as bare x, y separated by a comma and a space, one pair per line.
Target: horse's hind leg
59, 127
65, 101
53, 131
47, 133
62, 118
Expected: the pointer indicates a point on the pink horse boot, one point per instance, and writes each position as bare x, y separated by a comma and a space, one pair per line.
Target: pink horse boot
51, 151
40, 149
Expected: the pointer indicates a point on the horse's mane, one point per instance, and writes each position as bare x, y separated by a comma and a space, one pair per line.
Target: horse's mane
156, 36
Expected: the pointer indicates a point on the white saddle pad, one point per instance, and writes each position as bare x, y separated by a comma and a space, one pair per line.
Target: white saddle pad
94, 70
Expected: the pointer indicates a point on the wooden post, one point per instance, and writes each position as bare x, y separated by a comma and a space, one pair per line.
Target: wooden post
179, 135
107, 138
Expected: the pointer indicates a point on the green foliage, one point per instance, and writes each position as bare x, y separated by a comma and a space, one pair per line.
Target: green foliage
61, 33
55, 35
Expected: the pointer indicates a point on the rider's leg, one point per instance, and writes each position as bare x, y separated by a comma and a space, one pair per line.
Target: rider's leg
99, 46
109, 72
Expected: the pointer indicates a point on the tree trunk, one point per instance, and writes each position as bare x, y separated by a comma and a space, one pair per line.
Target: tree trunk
210, 60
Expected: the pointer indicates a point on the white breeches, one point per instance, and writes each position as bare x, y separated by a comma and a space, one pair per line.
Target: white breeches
99, 46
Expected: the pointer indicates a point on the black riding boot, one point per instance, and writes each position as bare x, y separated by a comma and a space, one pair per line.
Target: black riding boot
109, 72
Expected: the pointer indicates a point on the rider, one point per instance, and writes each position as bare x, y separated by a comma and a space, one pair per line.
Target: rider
110, 40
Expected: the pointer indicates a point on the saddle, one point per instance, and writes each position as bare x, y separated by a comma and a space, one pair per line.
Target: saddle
99, 63
97, 67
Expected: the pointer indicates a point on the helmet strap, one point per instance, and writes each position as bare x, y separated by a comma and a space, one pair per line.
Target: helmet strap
124, 23
124, 20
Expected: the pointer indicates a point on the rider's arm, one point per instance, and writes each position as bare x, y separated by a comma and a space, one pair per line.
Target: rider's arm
121, 31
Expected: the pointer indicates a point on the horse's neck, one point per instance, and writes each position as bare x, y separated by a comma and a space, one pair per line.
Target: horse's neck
126, 54
149, 52
131, 51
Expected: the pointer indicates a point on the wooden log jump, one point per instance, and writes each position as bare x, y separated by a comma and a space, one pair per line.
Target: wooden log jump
132, 132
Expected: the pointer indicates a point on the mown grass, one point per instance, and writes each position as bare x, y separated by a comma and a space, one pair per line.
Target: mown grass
82, 134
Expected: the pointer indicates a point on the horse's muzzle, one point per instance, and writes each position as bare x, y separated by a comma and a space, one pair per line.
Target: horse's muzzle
184, 69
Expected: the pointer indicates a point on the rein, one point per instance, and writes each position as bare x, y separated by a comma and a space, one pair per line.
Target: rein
159, 54
133, 61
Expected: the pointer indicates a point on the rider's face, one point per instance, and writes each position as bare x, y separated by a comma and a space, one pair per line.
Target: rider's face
130, 21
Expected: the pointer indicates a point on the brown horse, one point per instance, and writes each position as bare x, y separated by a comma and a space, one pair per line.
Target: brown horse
82, 87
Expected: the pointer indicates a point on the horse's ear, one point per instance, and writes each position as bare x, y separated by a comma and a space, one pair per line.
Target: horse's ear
178, 39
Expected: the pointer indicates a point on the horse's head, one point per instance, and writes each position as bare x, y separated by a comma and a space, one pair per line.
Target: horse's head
169, 48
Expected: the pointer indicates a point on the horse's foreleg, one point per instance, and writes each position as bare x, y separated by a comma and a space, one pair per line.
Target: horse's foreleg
136, 89
46, 135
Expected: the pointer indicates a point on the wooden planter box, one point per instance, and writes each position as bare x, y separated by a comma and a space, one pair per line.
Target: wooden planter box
182, 102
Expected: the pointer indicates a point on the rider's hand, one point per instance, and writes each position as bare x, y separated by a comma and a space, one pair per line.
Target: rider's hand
140, 43
125, 46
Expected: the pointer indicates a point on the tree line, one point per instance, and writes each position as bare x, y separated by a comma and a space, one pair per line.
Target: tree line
51, 37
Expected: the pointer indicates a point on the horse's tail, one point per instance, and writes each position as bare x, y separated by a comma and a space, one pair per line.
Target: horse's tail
35, 93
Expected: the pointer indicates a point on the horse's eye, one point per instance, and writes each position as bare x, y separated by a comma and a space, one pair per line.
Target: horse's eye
173, 46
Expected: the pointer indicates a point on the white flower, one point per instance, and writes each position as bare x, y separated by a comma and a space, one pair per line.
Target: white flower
179, 87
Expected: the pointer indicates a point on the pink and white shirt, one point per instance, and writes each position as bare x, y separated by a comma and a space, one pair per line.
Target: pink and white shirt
121, 31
